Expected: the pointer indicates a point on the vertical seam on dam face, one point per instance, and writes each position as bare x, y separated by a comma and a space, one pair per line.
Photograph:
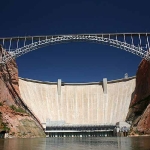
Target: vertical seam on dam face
105, 85
59, 87
78, 104
97, 105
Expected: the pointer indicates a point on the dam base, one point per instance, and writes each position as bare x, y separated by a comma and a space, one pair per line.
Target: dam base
80, 131
80, 134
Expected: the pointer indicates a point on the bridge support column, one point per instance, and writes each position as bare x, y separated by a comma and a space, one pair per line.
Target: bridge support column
59, 87
105, 85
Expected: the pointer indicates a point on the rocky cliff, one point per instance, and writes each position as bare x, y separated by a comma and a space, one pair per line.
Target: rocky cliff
139, 112
15, 117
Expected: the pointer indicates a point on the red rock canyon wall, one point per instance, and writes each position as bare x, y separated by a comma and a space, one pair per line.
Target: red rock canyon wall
139, 112
14, 119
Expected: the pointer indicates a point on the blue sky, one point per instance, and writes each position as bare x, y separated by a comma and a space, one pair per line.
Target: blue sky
75, 62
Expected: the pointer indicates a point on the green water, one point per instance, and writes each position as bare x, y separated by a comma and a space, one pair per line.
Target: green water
84, 143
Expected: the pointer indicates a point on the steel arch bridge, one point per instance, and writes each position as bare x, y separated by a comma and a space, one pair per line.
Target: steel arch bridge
136, 43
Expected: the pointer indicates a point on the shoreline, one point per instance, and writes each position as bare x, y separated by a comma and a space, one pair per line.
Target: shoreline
136, 135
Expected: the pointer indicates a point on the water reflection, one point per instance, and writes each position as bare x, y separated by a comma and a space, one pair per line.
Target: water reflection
23, 144
84, 143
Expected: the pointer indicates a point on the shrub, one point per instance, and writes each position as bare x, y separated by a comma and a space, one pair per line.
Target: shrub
19, 109
24, 134
13, 133
5, 127
1, 104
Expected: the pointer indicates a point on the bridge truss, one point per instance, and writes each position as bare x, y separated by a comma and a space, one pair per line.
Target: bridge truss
136, 43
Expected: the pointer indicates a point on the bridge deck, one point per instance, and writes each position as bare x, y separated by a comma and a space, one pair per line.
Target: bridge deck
42, 37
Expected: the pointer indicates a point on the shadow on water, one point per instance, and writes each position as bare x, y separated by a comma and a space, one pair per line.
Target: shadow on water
77, 143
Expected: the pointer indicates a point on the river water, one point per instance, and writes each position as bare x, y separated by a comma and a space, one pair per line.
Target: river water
84, 143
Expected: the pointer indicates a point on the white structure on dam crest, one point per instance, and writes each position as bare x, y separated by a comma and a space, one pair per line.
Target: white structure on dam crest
99, 103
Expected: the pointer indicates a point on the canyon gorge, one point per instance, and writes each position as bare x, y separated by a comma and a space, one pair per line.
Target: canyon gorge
26, 105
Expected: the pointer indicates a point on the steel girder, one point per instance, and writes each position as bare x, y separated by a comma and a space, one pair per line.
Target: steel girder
68, 38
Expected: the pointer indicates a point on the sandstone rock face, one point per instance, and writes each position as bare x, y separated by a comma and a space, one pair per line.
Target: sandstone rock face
142, 89
19, 124
139, 112
9, 88
144, 123
13, 116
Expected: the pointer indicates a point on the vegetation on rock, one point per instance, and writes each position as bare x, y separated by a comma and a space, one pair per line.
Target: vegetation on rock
17, 109
3, 126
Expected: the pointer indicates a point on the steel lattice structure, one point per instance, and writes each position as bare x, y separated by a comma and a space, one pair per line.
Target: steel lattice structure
136, 43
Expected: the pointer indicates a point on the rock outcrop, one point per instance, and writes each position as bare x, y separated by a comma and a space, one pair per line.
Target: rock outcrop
139, 112
15, 117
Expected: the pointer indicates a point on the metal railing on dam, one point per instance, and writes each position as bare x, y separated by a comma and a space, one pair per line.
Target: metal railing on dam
94, 103
80, 128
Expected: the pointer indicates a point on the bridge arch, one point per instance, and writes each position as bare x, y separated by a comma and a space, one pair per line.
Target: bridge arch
137, 50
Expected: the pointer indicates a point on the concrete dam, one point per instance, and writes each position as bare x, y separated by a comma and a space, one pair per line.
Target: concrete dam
97, 103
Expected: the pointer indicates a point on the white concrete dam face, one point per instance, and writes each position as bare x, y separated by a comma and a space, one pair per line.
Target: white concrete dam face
78, 104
